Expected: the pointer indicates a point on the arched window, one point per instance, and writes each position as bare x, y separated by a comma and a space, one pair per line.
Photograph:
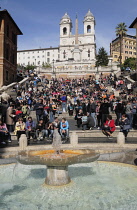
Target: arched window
64, 31
88, 29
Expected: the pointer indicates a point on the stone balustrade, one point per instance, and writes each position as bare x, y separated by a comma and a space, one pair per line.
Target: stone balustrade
10, 86
73, 141
88, 68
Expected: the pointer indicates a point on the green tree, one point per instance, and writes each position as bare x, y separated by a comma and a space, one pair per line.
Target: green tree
102, 57
121, 30
30, 67
130, 62
46, 65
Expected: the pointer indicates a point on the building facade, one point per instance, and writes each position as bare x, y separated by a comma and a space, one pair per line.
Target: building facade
72, 48
128, 48
85, 41
37, 56
8, 48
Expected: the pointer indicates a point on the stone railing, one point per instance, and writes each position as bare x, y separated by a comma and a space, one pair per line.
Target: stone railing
10, 87
74, 135
129, 79
118, 73
78, 69
102, 148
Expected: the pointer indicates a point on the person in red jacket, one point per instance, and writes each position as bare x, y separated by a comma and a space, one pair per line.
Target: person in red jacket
109, 127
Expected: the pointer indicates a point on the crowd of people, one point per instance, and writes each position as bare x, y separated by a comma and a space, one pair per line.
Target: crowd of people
89, 101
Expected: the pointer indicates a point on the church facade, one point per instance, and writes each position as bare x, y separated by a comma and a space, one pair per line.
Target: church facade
74, 50
85, 42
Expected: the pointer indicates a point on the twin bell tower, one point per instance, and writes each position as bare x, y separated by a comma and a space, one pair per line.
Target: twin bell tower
77, 47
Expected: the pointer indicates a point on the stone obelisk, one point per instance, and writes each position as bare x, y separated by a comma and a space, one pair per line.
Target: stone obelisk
76, 31
76, 51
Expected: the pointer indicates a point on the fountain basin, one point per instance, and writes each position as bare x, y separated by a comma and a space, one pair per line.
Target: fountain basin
50, 158
57, 164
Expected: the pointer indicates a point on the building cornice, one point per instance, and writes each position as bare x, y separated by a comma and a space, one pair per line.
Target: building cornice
39, 49
5, 12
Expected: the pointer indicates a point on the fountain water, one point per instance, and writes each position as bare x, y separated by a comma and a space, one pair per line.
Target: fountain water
113, 186
96, 185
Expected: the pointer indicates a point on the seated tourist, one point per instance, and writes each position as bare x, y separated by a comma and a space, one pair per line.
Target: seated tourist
79, 117
30, 128
84, 121
39, 130
19, 128
4, 134
56, 123
109, 127
64, 128
125, 125
50, 128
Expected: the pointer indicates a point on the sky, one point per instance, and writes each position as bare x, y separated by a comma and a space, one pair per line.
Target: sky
39, 20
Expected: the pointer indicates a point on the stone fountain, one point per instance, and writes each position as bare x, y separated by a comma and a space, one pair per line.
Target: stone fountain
57, 160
